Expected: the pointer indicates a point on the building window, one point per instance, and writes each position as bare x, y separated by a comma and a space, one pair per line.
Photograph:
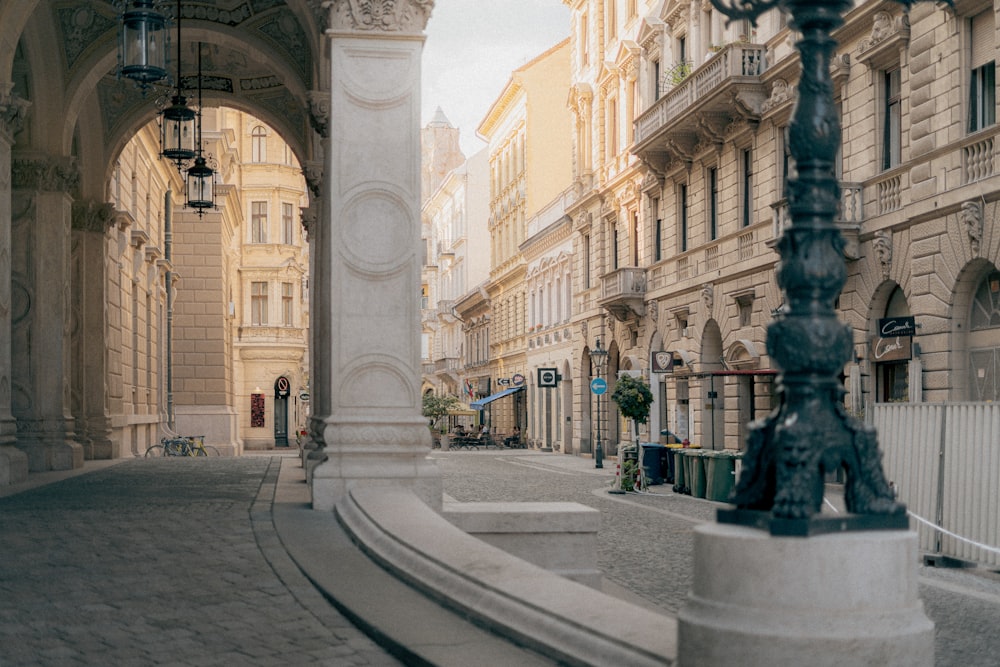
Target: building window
614, 245
982, 88
586, 261
633, 234
258, 222
682, 217
287, 301
258, 145
258, 304
655, 83
287, 224
612, 141
892, 118
654, 206
746, 190
713, 204
612, 20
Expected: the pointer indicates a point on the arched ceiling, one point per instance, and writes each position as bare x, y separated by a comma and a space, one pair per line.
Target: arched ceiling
262, 56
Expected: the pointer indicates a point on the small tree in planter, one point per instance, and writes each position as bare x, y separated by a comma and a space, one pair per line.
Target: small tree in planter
435, 407
634, 400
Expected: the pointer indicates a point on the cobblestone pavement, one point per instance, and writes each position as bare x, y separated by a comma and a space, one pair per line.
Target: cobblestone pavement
161, 562
646, 542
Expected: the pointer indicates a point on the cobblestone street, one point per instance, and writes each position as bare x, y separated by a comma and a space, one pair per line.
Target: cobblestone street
161, 562
646, 542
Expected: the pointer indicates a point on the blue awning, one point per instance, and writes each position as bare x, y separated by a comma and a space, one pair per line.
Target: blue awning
478, 405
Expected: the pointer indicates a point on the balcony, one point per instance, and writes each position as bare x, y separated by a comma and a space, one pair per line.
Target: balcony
850, 215
623, 293
697, 112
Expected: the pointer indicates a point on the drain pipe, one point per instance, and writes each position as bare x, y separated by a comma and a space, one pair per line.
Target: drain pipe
168, 214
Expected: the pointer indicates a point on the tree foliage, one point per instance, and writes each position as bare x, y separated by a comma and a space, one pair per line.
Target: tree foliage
633, 397
434, 407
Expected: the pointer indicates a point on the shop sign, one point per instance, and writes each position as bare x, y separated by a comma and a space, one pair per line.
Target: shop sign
548, 377
897, 326
666, 362
514, 381
895, 348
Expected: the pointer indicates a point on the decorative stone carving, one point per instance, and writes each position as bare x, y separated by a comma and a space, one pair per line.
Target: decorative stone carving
971, 217
888, 36
308, 216
407, 16
313, 172
882, 245
13, 113
781, 92
319, 112
46, 174
708, 297
583, 330
653, 309
92, 216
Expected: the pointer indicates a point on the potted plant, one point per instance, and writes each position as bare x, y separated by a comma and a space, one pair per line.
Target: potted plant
434, 408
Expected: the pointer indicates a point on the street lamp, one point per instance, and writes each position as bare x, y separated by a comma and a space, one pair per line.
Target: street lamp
810, 433
141, 49
177, 122
599, 358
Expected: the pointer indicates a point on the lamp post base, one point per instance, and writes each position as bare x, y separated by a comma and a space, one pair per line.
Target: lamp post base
599, 456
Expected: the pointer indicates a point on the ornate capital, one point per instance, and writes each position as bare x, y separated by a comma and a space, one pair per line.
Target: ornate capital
92, 216
398, 16
13, 112
45, 174
313, 172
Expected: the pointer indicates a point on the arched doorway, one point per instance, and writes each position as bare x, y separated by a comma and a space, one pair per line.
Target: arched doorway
713, 398
984, 339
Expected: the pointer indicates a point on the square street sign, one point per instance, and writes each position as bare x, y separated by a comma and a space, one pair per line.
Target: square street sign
548, 377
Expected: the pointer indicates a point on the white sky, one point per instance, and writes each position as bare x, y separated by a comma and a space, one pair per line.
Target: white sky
472, 47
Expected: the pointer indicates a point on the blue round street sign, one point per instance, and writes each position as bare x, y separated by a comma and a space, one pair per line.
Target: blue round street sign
598, 386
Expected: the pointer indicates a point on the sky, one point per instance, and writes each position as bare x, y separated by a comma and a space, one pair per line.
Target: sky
471, 49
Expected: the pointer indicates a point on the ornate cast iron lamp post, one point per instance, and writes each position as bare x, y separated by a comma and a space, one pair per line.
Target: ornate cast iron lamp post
810, 433
599, 357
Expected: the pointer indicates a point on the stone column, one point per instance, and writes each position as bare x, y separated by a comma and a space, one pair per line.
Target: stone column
374, 433
40, 337
13, 462
90, 404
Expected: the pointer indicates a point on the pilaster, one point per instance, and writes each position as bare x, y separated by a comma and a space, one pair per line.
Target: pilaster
368, 268
13, 462
40, 284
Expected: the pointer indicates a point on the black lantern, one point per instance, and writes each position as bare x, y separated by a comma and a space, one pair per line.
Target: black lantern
177, 122
201, 185
177, 130
142, 50
200, 177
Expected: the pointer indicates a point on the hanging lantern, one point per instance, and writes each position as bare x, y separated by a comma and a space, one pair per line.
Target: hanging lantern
142, 50
177, 131
201, 185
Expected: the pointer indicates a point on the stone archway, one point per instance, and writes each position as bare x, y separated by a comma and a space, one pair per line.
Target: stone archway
713, 389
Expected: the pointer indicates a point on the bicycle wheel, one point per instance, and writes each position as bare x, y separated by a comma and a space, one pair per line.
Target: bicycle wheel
210, 450
156, 450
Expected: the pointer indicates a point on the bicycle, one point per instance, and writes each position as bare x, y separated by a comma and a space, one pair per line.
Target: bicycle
185, 445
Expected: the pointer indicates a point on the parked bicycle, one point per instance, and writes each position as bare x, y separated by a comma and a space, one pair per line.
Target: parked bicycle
184, 445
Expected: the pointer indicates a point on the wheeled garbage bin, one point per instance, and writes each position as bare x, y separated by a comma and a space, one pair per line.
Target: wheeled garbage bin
696, 472
652, 462
680, 479
720, 474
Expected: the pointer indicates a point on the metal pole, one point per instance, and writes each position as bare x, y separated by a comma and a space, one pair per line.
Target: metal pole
599, 449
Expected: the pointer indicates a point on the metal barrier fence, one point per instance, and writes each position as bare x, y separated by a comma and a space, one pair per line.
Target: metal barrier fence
944, 461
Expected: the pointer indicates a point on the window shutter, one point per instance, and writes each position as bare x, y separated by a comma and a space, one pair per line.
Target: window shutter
983, 31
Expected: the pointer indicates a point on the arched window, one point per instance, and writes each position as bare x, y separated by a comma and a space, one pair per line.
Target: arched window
984, 332
258, 147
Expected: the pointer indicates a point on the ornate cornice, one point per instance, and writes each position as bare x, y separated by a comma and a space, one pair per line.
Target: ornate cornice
45, 174
394, 16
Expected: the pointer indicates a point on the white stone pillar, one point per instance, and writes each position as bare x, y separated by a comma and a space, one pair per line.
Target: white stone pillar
823, 601
40, 243
374, 433
13, 462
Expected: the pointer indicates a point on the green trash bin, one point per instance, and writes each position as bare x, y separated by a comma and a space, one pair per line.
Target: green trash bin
680, 480
720, 469
696, 472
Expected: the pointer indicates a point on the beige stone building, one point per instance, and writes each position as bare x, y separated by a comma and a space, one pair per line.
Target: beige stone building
527, 129
680, 163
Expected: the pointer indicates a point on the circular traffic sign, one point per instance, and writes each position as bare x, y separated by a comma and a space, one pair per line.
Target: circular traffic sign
598, 386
